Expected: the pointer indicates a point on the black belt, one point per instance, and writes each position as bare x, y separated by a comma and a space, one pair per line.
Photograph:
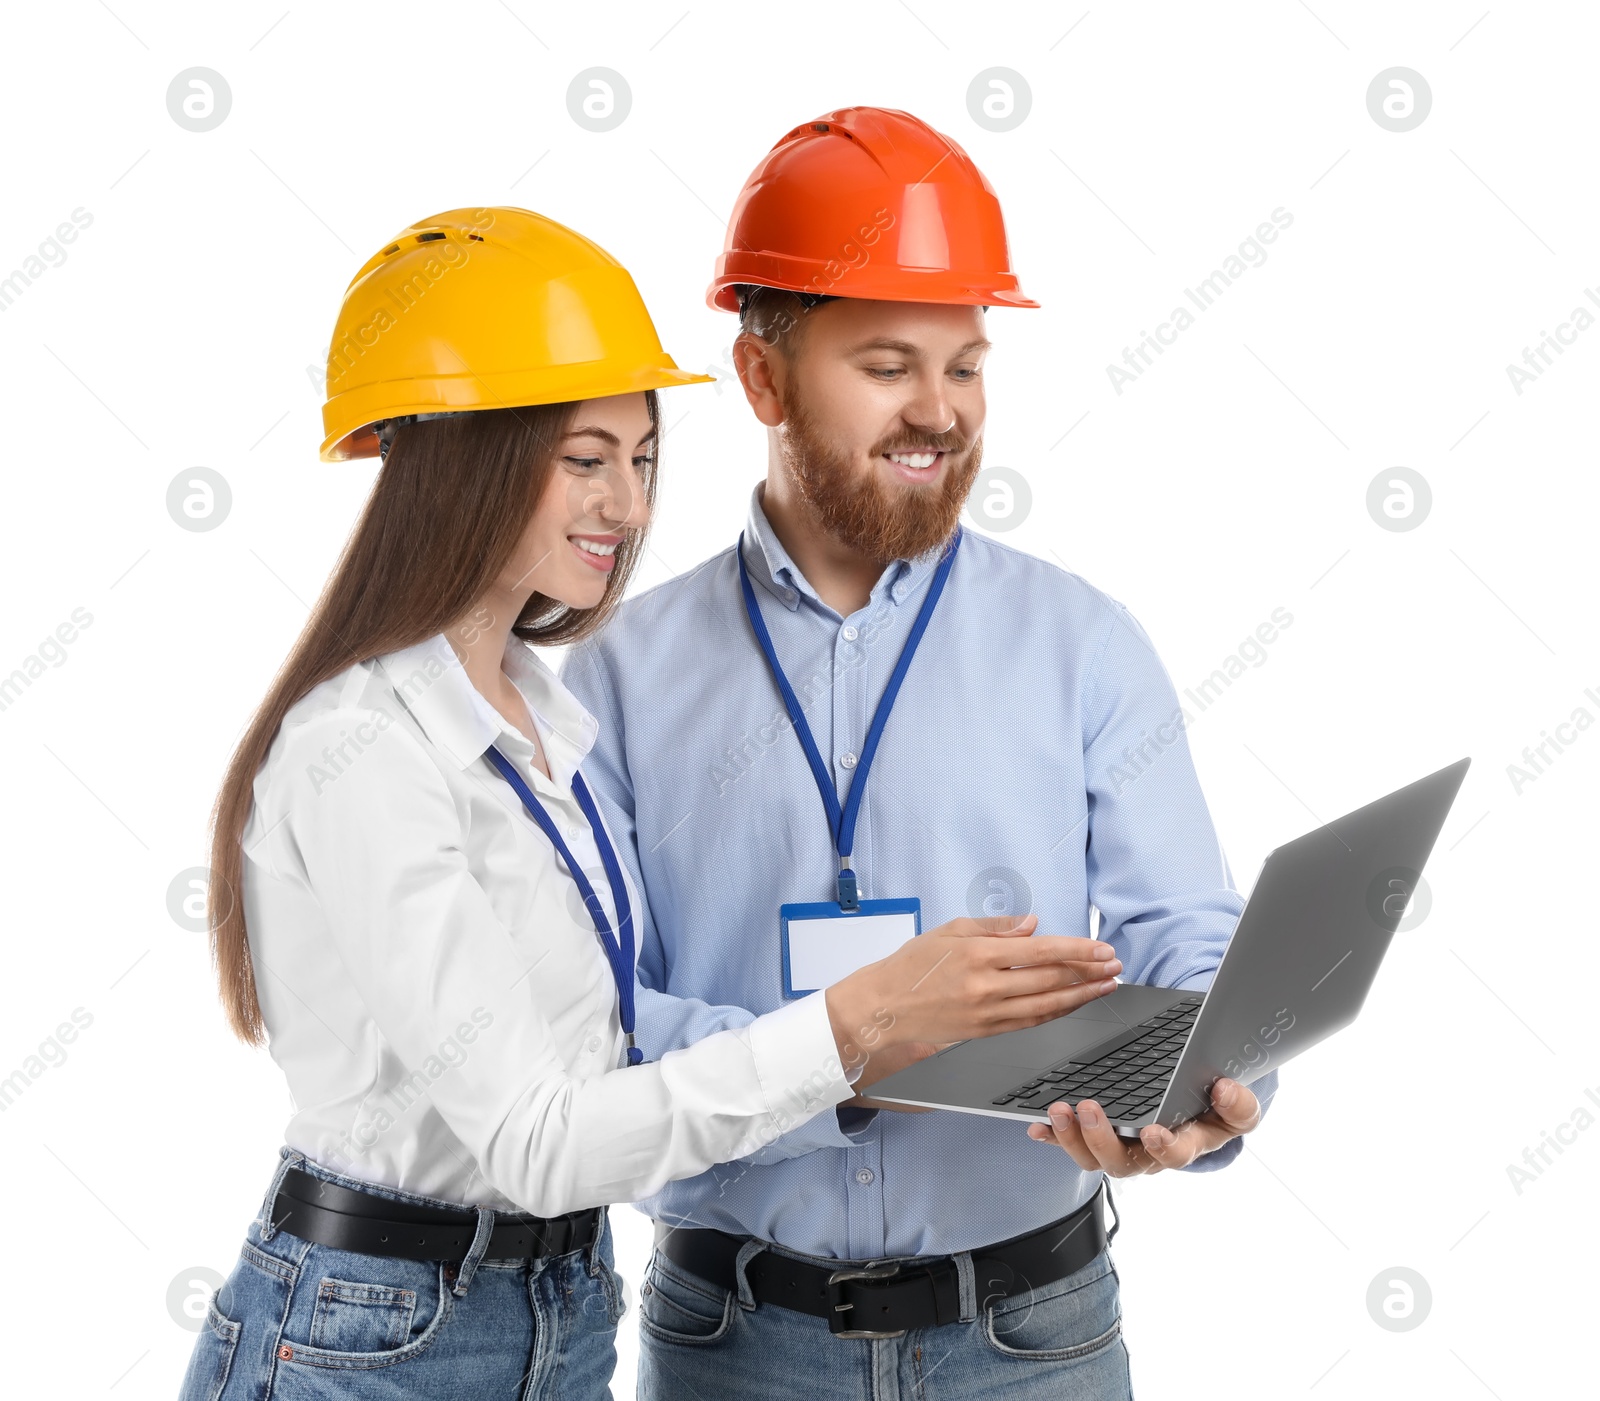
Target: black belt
347, 1219
883, 1301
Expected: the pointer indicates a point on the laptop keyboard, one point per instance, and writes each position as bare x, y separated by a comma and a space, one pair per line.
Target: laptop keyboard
1126, 1078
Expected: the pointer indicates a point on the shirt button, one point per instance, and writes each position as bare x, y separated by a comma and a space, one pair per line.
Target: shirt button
864, 1176
850, 634
594, 1043
573, 833
847, 760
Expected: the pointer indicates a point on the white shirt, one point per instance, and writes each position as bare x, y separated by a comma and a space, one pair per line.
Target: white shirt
431, 982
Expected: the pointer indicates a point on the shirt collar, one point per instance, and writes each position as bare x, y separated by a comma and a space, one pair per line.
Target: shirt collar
433, 685
771, 566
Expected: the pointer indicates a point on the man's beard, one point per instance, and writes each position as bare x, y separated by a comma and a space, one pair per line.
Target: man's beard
878, 521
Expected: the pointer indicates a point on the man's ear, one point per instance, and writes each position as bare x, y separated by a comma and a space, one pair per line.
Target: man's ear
760, 367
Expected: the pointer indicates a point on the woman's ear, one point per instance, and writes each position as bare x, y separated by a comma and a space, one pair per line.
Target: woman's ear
760, 366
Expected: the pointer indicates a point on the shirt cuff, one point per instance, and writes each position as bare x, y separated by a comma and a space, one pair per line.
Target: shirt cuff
797, 1062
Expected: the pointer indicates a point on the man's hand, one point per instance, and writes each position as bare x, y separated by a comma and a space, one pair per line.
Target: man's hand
1088, 1136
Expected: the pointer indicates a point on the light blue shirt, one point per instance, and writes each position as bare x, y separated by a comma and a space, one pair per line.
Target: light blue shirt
1035, 760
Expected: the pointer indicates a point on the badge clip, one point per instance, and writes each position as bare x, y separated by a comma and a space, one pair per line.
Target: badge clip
849, 897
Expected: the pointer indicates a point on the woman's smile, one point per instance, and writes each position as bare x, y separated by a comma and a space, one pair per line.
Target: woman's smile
597, 551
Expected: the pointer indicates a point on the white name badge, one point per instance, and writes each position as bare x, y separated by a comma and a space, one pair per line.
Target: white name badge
823, 943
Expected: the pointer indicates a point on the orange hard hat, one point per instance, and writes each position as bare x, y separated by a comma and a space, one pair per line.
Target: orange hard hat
868, 202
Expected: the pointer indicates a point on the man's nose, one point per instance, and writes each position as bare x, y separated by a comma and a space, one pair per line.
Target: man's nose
929, 409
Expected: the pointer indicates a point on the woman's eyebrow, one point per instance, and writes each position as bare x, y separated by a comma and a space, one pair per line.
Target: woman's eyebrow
604, 434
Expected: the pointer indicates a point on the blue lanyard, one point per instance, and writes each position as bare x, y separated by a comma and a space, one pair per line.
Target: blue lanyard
842, 821
618, 955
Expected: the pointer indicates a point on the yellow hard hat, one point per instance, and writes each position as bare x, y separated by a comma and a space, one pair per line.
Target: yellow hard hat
485, 309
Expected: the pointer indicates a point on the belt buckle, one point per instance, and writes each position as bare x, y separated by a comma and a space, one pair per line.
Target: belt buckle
837, 1304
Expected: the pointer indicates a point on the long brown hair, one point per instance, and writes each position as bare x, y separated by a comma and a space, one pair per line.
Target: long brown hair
449, 505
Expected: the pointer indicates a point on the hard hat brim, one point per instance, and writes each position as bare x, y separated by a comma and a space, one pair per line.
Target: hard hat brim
350, 418
720, 295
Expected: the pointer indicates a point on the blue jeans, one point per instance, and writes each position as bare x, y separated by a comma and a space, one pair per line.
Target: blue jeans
1063, 1341
296, 1321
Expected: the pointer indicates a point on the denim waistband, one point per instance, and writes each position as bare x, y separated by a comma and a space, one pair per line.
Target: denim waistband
291, 1158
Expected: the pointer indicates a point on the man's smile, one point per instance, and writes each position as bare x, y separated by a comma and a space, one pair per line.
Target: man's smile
916, 466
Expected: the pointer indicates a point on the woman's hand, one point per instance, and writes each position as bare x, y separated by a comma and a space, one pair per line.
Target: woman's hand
967, 978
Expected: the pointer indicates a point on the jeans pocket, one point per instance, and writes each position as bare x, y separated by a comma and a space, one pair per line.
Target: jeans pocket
676, 1307
366, 1311
354, 1317
212, 1357
1073, 1319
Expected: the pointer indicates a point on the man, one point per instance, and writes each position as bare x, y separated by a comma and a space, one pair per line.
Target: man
861, 258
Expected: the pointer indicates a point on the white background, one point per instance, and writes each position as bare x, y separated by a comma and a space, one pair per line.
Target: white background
1229, 480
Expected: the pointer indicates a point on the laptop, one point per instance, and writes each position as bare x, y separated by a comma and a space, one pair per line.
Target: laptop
1297, 968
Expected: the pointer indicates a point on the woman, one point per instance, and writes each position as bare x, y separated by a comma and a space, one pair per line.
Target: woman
414, 895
